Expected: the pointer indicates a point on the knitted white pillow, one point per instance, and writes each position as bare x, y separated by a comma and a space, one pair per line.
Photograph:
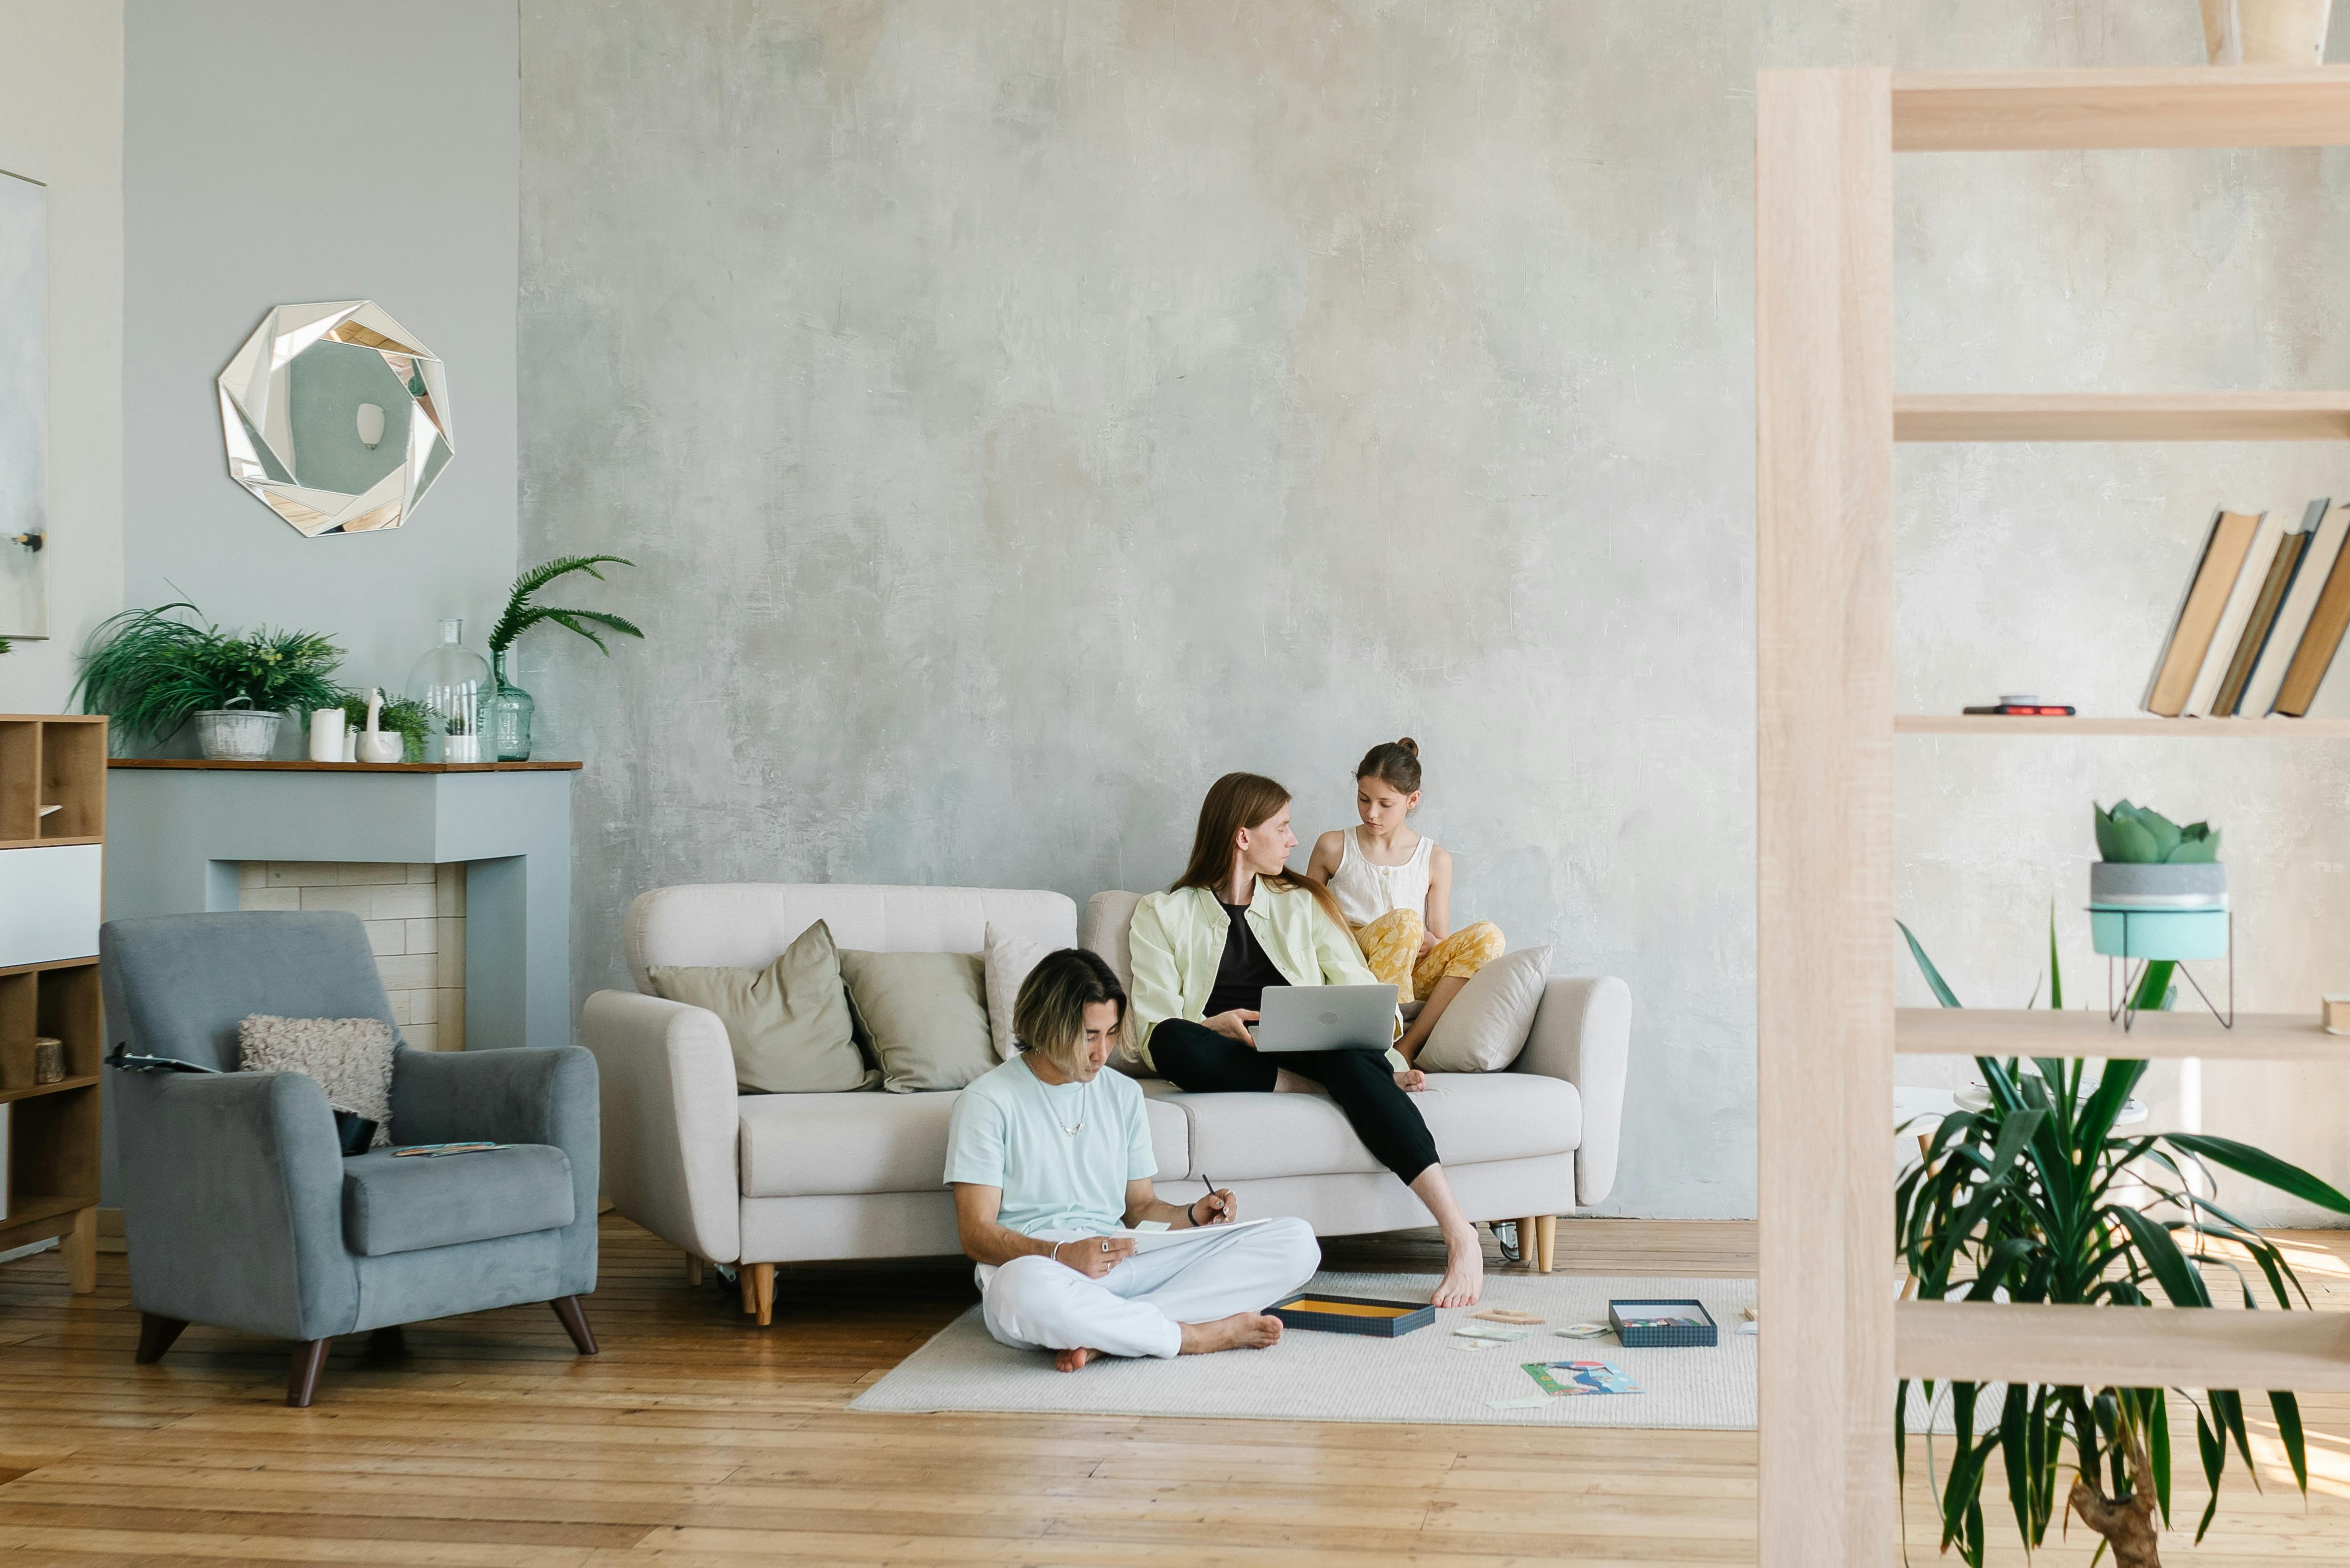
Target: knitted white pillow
349, 1057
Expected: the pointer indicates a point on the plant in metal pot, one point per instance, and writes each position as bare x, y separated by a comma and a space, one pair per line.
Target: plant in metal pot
2037, 1199
154, 669
405, 716
508, 716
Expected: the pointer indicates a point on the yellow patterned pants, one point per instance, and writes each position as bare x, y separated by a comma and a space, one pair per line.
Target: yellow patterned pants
1391, 946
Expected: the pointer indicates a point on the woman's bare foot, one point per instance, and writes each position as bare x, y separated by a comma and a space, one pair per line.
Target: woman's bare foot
1242, 1331
1464, 1270
1070, 1360
1411, 1080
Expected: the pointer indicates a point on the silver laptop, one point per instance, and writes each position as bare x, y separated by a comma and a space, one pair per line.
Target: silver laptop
1326, 1017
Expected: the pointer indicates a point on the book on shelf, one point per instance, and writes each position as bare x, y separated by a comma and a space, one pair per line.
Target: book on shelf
2252, 643
2192, 628
2314, 655
2292, 616
2250, 577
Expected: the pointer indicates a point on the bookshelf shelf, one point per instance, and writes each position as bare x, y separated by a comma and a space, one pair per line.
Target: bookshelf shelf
2218, 1348
2018, 112
2121, 416
2088, 725
2002, 1032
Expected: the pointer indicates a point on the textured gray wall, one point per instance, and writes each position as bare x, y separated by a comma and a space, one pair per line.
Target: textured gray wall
283, 151
1021, 414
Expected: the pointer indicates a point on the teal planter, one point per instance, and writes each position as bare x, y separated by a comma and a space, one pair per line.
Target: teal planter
2174, 934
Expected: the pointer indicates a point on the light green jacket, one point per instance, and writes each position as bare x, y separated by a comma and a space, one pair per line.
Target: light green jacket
1178, 940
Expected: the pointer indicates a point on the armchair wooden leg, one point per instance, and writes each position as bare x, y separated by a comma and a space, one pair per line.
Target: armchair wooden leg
1549, 1226
156, 1334
302, 1379
763, 1276
574, 1324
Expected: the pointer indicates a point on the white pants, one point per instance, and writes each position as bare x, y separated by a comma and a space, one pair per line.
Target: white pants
1138, 1308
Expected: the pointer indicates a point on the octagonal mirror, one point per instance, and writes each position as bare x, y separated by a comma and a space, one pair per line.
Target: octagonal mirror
335, 418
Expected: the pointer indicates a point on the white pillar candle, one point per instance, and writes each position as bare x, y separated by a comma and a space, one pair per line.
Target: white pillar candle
327, 735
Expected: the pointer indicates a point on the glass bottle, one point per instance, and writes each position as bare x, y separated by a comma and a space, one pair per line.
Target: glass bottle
452, 681
508, 714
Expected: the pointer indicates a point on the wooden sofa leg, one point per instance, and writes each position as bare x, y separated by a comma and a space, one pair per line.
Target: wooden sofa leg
156, 1334
1530, 1243
574, 1317
742, 1277
1549, 1226
763, 1276
692, 1271
302, 1378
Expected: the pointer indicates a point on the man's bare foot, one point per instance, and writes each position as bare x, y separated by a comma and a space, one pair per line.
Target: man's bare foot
1411, 1081
1242, 1331
1070, 1360
1464, 1271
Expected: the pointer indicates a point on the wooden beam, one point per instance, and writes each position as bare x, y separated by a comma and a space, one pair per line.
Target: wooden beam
2127, 1347
1823, 654
2153, 1036
2121, 416
2245, 106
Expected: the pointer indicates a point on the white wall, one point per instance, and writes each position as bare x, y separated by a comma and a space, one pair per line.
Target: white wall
61, 123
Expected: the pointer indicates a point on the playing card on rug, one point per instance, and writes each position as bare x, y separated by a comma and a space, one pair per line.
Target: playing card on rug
1583, 1331
1581, 1377
1479, 1331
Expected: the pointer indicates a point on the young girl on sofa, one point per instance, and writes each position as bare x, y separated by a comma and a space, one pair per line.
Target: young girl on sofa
1237, 921
1395, 888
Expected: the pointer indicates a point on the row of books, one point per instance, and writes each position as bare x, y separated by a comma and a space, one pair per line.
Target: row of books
2261, 618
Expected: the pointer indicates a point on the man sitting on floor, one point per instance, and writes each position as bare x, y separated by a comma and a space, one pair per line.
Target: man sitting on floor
1050, 1156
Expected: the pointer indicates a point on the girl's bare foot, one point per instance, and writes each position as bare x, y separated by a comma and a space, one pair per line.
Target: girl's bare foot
1411, 1081
1464, 1271
1242, 1331
1070, 1360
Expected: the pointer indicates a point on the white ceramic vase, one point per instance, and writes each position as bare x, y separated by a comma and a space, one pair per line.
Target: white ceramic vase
380, 746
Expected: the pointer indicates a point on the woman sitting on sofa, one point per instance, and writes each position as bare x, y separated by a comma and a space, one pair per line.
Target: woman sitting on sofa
1238, 920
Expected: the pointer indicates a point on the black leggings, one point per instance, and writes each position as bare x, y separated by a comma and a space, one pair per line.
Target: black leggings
1199, 1060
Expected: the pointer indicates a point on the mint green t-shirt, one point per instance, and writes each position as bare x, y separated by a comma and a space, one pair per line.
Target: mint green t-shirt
1010, 1130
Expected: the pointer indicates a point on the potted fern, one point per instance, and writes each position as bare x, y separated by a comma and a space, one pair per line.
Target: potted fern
2036, 1198
508, 713
153, 670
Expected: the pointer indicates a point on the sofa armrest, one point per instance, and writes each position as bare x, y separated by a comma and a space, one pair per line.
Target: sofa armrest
1583, 1032
233, 1202
671, 1122
543, 1096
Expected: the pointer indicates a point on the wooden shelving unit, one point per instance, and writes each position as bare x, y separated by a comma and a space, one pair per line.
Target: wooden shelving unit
1826, 423
49, 760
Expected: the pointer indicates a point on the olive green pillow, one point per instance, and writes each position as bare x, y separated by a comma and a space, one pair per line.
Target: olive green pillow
790, 1023
922, 1015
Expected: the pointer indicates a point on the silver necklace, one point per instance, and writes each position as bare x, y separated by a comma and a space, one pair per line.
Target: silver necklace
1084, 1097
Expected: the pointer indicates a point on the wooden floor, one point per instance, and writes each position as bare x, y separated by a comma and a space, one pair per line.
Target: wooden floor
696, 1439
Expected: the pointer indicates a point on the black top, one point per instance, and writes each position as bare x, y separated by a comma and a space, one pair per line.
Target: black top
1245, 970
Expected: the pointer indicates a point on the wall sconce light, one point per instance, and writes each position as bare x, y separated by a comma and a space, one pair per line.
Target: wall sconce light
371, 425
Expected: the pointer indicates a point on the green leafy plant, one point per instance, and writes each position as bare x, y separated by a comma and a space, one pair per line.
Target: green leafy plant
521, 615
152, 669
405, 716
2036, 1198
2133, 835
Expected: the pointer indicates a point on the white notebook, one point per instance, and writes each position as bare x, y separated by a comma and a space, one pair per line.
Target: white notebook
1159, 1241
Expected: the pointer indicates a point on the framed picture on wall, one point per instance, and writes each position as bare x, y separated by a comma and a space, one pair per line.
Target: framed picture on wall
24, 397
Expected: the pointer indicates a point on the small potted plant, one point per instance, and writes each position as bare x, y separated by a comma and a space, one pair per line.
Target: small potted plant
153, 670
409, 719
2159, 891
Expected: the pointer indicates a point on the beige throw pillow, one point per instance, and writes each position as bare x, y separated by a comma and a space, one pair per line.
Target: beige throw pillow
349, 1057
788, 1024
1486, 1026
923, 1016
1008, 960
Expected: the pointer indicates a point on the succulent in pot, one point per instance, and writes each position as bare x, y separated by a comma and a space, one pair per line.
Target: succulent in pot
2152, 863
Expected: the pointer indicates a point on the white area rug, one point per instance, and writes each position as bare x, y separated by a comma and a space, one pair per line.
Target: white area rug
1419, 1379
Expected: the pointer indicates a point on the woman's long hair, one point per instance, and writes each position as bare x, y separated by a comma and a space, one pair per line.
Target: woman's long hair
1236, 801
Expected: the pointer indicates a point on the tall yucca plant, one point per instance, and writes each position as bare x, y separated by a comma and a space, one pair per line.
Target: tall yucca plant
2019, 1200
521, 615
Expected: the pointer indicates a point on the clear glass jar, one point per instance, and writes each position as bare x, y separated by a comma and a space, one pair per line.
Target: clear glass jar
508, 711
453, 681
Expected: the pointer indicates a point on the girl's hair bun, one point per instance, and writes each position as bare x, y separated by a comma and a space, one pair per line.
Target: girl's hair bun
1409, 744
1397, 762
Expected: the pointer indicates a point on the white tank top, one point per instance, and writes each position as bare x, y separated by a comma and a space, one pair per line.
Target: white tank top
1366, 891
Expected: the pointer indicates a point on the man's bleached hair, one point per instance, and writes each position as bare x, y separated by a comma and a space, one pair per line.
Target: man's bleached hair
1049, 1016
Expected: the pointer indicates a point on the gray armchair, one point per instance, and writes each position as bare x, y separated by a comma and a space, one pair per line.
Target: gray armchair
239, 1207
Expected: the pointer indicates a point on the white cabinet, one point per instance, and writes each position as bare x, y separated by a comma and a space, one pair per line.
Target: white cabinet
48, 903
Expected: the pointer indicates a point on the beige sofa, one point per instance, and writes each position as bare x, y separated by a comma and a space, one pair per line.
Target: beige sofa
761, 1179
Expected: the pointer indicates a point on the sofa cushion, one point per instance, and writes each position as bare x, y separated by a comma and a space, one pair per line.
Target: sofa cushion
922, 1015
813, 1146
1475, 1116
745, 924
396, 1204
1009, 957
787, 1023
350, 1058
1486, 1026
